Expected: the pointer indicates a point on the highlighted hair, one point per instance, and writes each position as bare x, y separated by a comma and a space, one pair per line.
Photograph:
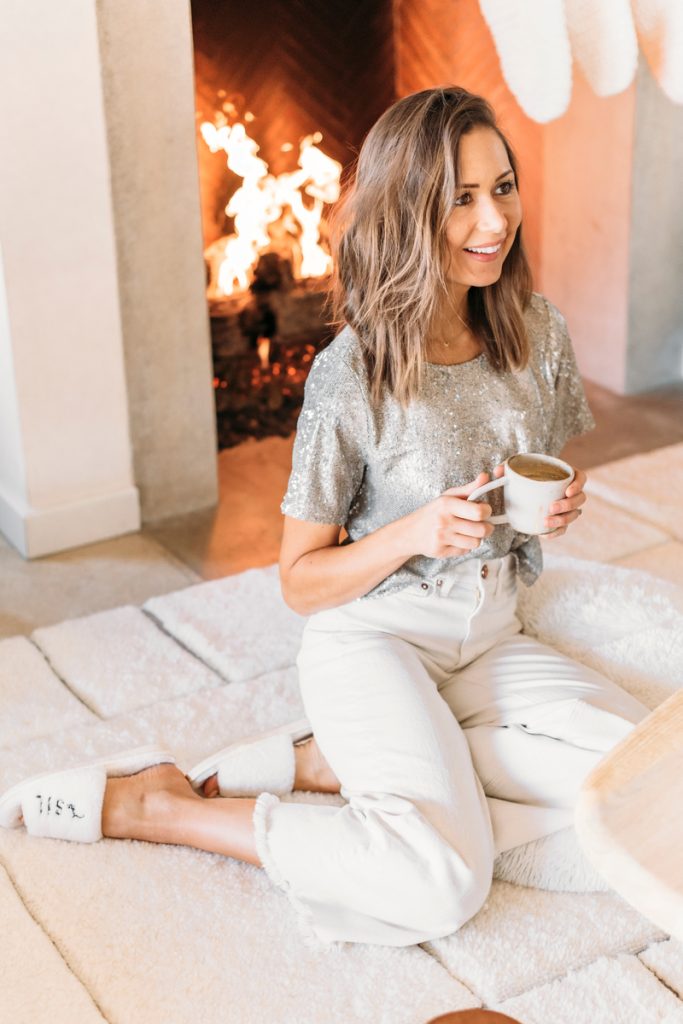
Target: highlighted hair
391, 252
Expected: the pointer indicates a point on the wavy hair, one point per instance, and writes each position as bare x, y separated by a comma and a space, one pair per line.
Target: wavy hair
388, 236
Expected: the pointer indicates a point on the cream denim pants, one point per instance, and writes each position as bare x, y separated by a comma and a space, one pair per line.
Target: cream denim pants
454, 737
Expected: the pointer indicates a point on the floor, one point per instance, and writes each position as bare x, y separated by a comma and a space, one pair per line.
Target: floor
244, 529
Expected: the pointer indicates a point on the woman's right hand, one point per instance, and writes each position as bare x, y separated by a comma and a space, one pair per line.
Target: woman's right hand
450, 525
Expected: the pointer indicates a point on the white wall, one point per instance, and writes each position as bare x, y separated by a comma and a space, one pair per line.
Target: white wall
65, 463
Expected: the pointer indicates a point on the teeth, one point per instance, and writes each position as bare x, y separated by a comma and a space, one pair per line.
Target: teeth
489, 249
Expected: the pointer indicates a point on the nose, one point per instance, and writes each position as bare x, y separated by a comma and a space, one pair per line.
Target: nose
490, 218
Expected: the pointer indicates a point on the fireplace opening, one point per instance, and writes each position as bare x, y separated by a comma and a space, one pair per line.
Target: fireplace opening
284, 96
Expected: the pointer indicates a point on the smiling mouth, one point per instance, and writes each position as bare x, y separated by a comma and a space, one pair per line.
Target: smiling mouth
485, 250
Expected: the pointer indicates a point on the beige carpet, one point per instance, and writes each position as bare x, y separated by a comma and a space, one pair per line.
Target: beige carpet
130, 933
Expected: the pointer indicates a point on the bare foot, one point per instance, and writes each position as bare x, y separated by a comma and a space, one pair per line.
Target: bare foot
313, 774
210, 787
147, 805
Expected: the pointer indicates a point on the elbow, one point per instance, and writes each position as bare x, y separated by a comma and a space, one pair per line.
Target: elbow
296, 604
292, 598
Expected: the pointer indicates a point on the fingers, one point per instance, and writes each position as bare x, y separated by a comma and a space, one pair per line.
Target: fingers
555, 533
466, 489
567, 505
475, 511
479, 530
563, 520
577, 484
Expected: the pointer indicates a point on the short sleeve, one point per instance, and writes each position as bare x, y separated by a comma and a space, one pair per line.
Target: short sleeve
571, 415
329, 451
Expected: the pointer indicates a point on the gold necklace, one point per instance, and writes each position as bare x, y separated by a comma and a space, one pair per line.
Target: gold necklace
447, 344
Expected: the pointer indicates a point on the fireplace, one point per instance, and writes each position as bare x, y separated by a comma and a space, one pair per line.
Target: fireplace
284, 94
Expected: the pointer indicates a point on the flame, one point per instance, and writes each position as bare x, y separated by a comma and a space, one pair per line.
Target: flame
263, 348
263, 199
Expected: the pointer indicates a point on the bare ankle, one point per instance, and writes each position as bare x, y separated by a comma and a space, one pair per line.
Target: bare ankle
313, 773
144, 806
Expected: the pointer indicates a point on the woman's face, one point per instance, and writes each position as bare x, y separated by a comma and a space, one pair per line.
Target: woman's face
486, 210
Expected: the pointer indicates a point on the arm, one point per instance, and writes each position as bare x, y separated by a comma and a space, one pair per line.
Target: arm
316, 573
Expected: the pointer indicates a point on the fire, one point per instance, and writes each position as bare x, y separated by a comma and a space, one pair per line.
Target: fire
262, 199
263, 349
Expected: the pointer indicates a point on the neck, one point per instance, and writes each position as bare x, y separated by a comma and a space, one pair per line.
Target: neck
450, 340
456, 300
451, 319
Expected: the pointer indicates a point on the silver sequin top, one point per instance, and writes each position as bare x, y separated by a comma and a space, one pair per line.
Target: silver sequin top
362, 468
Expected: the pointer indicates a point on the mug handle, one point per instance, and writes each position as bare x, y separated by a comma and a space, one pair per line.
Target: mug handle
500, 482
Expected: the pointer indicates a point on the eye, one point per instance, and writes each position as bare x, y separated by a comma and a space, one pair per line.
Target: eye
462, 200
508, 186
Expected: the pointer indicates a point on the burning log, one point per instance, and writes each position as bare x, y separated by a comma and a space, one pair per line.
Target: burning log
264, 342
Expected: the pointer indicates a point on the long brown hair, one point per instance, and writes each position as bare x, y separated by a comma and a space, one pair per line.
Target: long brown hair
390, 248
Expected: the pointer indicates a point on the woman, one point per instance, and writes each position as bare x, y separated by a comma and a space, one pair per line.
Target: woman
450, 734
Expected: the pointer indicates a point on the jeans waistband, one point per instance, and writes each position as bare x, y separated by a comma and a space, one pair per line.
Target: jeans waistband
475, 572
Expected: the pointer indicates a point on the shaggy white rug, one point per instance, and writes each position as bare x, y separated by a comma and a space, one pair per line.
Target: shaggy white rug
128, 932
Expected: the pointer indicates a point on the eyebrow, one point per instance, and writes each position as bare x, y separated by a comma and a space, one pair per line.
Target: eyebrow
509, 171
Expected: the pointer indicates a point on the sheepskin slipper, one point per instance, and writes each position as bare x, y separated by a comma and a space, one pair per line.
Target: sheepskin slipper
260, 764
68, 804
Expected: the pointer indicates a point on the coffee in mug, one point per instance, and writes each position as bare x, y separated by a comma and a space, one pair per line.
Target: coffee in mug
535, 468
532, 482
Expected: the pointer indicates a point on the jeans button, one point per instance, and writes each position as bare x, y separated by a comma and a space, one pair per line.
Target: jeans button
484, 571
425, 586
439, 583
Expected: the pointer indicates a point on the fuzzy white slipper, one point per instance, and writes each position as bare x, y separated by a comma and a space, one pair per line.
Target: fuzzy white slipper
259, 764
68, 804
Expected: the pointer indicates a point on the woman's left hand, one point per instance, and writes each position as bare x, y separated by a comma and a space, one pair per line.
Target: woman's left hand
565, 511
568, 509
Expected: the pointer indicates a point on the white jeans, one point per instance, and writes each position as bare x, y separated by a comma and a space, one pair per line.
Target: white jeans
454, 737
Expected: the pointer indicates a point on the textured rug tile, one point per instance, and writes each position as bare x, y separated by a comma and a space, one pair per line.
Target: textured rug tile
610, 991
663, 560
623, 623
124, 570
523, 938
198, 725
37, 986
33, 701
163, 934
119, 660
189, 727
665, 959
239, 625
649, 486
604, 533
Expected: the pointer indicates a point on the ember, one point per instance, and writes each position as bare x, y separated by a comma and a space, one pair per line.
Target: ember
263, 342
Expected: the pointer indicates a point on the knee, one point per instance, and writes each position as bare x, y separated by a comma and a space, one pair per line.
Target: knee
448, 895
455, 905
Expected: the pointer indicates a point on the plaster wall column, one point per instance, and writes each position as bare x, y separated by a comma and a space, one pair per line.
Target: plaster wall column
66, 475
147, 73
654, 354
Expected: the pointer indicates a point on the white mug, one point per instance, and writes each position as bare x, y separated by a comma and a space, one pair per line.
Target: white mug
527, 500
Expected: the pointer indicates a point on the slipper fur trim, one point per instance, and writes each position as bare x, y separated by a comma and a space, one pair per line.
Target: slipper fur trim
252, 766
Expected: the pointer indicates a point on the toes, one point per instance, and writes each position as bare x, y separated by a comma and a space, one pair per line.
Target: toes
210, 787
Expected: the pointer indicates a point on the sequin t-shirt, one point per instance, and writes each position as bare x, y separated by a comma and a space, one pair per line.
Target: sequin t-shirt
362, 467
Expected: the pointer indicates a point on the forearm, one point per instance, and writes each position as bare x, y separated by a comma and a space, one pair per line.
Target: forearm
331, 576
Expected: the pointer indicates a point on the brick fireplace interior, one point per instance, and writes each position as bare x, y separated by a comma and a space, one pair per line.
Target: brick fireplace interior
287, 72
